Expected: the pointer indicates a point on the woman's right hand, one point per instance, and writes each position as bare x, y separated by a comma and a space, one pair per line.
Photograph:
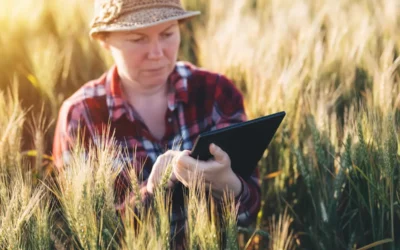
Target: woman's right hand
159, 170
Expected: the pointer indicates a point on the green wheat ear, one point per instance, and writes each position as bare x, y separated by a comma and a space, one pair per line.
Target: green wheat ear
390, 152
321, 159
136, 189
344, 167
229, 214
362, 151
347, 154
166, 176
304, 171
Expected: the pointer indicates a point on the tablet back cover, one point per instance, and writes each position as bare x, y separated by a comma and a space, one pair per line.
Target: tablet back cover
244, 142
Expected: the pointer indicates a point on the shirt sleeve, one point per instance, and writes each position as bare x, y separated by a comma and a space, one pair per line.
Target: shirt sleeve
228, 109
69, 124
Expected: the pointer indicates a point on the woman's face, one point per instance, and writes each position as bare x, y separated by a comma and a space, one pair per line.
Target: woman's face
145, 56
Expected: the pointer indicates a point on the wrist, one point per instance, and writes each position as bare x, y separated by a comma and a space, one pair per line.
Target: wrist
236, 185
230, 183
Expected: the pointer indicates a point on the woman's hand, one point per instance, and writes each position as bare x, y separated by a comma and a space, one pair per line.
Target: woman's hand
217, 171
158, 171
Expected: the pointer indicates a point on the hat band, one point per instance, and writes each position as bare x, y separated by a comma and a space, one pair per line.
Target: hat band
129, 6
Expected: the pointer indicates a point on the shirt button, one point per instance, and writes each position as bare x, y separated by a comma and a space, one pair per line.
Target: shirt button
169, 119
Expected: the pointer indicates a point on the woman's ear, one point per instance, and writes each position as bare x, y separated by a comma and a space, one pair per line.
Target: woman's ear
104, 44
102, 39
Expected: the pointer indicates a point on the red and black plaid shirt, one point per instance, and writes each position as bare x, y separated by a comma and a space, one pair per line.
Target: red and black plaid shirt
198, 101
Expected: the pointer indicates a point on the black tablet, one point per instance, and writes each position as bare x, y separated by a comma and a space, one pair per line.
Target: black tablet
244, 142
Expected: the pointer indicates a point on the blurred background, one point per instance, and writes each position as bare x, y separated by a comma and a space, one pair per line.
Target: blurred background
330, 178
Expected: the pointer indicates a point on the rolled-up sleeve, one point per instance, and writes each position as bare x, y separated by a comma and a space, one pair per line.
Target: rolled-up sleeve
69, 124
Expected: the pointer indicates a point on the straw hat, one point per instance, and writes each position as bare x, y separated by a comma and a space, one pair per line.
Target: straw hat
126, 15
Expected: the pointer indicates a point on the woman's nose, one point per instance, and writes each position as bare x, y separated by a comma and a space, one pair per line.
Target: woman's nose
156, 50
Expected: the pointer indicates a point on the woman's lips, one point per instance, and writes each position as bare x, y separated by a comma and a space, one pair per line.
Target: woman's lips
155, 69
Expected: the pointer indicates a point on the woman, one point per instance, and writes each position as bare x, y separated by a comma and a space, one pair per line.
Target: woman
151, 101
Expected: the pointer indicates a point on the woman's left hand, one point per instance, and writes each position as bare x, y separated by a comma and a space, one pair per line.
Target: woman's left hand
216, 171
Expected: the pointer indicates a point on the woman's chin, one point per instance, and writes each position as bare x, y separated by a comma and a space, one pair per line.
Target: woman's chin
155, 80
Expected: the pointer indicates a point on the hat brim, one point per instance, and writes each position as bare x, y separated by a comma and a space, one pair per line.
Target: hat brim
142, 19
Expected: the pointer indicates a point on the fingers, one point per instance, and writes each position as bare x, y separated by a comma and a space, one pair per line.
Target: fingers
183, 177
150, 187
173, 177
170, 184
167, 157
172, 180
183, 160
159, 170
185, 167
219, 155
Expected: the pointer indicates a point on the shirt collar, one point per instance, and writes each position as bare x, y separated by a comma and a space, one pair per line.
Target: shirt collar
178, 85
177, 91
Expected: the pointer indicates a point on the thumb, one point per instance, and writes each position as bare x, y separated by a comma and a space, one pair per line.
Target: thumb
219, 154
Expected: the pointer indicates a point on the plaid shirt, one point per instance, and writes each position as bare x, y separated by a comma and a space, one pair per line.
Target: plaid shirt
198, 101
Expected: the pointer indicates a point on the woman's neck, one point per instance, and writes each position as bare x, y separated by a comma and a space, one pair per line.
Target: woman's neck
136, 91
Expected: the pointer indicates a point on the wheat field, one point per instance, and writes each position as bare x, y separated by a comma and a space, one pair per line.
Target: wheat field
330, 178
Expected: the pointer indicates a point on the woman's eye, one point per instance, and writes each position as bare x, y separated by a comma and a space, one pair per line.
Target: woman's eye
167, 34
137, 40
